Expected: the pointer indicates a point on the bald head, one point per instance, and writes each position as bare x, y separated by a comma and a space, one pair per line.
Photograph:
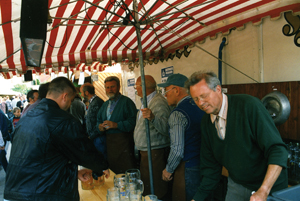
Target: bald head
149, 83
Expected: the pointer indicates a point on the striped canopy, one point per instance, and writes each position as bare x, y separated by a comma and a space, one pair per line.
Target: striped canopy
91, 34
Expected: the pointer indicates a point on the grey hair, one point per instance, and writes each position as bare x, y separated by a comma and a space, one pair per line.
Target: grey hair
112, 78
210, 78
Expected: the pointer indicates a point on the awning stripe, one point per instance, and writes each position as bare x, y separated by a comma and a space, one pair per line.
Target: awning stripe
6, 10
54, 32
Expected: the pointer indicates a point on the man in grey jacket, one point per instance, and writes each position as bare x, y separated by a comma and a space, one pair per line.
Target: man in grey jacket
157, 113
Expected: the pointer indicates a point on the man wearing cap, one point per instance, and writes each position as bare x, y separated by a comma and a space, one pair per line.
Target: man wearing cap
157, 113
184, 128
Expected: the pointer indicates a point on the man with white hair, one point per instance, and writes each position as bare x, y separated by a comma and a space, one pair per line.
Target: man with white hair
239, 134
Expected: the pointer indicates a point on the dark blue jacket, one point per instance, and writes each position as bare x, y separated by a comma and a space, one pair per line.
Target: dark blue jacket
48, 144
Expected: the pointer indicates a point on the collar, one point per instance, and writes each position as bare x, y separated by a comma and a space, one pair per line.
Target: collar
186, 97
92, 98
223, 111
149, 97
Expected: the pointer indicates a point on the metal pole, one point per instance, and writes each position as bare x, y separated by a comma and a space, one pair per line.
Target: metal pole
138, 33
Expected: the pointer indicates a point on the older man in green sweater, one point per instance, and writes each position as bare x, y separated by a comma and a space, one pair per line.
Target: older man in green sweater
116, 120
239, 134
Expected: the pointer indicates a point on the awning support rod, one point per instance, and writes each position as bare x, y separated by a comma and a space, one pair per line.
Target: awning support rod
138, 33
10, 55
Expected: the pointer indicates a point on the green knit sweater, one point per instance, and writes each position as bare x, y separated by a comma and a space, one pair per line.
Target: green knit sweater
124, 114
251, 143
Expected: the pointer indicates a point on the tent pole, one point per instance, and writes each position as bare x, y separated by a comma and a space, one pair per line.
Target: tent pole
138, 33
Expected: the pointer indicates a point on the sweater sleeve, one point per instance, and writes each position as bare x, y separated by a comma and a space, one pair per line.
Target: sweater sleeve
161, 111
128, 123
266, 134
211, 170
100, 117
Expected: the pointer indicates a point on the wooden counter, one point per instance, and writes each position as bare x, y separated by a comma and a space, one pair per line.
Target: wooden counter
99, 192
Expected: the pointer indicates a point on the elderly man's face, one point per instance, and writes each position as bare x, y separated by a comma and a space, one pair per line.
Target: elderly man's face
111, 89
170, 95
206, 99
138, 88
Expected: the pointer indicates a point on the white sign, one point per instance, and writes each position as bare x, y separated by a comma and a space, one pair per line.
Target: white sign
166, 72
131, 90
81, 78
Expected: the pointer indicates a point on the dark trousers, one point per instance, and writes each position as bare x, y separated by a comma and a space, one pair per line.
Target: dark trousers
3, 160
159, 161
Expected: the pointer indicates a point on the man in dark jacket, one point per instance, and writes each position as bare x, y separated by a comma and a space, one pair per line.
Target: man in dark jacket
48, 145
95, 103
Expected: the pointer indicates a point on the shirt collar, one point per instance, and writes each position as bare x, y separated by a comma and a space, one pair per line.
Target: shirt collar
223, 111
92, 98
149, 97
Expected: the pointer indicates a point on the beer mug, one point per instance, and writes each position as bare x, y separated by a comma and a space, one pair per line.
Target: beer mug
135, 195
132, 175
100, 181
113, 194
135, 185
89, 184
150, 198
120, 182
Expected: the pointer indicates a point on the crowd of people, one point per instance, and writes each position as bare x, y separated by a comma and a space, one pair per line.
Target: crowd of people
195, 130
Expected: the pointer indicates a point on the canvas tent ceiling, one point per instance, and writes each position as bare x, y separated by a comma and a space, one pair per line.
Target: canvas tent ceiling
91, 34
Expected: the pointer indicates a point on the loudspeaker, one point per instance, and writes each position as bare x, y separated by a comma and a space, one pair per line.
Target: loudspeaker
28, 76
33, 30
34, 16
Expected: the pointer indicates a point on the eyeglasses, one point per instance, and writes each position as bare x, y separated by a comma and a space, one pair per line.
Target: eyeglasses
203, 97
168, 91
136, 86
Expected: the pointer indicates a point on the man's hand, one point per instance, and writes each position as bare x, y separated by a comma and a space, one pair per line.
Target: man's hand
166, 176
147, 114
109, 125
106, 173
2, 148
101, 127
272, 174
84, 175
260, 195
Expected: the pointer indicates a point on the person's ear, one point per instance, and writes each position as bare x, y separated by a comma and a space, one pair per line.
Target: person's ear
177, 91
218, 89
64, 96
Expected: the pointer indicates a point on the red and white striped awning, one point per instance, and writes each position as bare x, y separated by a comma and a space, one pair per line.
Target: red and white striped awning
90, 34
